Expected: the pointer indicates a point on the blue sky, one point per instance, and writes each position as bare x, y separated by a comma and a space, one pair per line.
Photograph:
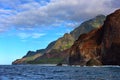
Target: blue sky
32, 24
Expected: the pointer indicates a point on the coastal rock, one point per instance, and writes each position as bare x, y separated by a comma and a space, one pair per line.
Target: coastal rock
100, 46
59, 64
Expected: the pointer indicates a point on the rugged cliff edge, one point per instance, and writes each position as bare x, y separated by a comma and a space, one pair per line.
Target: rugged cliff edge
52, 53
100, 46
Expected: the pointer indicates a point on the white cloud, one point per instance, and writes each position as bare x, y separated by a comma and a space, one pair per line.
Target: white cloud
23, 35
32, 13
30, 35
37, 35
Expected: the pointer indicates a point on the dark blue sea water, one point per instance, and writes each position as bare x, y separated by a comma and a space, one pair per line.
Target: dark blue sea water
38, 72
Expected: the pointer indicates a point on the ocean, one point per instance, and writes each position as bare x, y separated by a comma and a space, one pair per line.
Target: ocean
50, 72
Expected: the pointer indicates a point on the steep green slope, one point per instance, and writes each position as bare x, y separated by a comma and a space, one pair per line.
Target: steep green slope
67, 40
87, 26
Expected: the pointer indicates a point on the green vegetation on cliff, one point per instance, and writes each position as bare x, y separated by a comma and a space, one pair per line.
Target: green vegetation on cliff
66, 41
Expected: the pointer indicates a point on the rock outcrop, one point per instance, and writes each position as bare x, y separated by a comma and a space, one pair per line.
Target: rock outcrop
100, 46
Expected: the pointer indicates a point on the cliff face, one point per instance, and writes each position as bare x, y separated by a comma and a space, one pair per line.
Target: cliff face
100, 46
86, 49
68, 39
56, 53
111, 39
63, 43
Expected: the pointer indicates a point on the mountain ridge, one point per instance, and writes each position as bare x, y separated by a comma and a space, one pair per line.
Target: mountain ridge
67, 40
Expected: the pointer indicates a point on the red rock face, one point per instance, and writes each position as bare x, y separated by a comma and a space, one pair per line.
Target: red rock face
111, 29
111, 39
100, 46
86, 48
